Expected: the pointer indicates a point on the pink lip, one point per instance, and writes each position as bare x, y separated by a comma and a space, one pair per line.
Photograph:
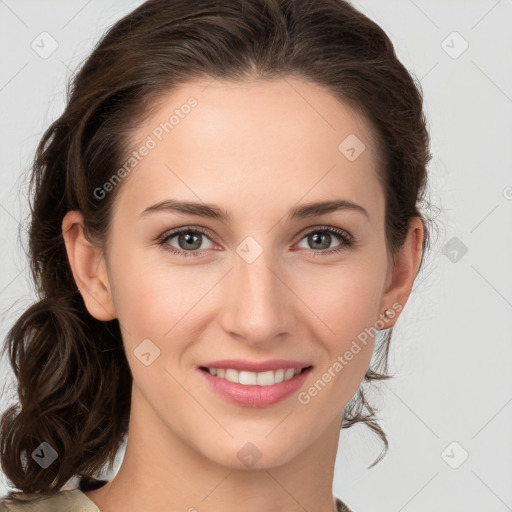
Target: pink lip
255, 396
253, 366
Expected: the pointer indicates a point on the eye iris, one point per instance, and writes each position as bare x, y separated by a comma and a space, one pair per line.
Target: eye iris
314, 237
191, 239
188, 238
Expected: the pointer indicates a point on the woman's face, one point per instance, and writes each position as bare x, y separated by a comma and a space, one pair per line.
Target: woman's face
258, 285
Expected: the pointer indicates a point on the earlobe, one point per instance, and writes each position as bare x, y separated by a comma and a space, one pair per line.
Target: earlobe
403, 271
88, 266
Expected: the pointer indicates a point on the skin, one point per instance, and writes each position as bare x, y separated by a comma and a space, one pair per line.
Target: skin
241, 143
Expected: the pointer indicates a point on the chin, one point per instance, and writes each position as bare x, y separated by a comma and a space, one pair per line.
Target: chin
259, 451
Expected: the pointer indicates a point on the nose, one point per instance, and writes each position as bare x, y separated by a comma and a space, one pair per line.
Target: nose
258, 305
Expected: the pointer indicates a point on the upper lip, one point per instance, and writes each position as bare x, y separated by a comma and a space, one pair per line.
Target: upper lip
256, 366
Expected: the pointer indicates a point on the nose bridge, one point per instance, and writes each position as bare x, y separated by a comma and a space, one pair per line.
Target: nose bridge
258, 296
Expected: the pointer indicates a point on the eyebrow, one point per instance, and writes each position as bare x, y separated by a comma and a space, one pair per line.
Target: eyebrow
214, 212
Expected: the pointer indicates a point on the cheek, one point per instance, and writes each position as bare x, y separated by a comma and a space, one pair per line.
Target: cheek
345, 299
151, 309
346, 308
154, 299
146, 297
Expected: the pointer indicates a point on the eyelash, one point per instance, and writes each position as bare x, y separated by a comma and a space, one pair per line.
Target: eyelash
347, 239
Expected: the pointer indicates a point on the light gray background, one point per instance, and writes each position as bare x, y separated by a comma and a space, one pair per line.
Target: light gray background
452, 347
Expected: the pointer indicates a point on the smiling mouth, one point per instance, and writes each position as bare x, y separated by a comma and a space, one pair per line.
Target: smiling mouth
266, 378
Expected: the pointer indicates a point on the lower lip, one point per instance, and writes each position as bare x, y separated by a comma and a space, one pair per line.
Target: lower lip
255, 396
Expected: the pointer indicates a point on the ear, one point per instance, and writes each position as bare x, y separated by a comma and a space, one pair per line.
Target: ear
402, 272
89, 269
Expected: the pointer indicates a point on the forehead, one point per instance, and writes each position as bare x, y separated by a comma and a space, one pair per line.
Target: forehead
260, 108
218, 141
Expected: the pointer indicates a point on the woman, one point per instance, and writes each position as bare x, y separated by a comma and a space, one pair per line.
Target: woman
185, 307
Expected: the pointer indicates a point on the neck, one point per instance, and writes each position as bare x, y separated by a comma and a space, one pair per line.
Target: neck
162, 471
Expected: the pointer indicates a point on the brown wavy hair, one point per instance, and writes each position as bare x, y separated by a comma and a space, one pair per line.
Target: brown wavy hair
73, 379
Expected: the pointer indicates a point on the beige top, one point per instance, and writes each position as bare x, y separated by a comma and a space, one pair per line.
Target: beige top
74, 500
64, 501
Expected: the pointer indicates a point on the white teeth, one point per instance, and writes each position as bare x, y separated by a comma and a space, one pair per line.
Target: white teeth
267, 378
248, 378
231, 375
278, 376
